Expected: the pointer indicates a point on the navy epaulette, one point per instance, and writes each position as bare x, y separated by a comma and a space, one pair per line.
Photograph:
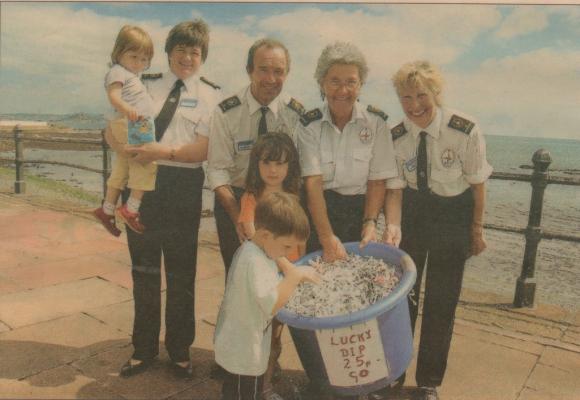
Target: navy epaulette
378, 112
230, 103
310, 116
151, 76
295, 105
461, 124
208, 82
398, 131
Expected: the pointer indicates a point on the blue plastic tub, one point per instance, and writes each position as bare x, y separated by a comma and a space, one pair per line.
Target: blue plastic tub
361, 352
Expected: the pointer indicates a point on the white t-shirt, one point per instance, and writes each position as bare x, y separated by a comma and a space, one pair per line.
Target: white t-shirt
244, 326
133, 92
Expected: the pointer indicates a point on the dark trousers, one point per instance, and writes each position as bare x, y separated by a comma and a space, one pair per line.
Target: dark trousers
171, 215
242, 387
345, 213
437, 235
226, 229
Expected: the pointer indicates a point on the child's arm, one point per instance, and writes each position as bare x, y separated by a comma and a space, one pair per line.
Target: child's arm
114, 94
293, 276
249, 229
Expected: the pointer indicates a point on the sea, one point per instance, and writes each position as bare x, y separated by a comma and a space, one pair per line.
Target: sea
557, 270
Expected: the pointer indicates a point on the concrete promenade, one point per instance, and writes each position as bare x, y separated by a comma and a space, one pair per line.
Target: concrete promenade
66, 315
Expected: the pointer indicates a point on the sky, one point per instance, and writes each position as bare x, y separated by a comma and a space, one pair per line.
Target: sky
515, 68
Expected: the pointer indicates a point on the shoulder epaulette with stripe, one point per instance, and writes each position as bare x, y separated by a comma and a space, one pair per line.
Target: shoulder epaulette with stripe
461, 124
295, 105
208, 82
311, 116
398, 131
230, 103
151, 76
378, 112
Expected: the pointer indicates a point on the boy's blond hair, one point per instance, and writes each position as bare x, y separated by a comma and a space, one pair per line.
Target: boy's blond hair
419, 74
281, 214
132, 38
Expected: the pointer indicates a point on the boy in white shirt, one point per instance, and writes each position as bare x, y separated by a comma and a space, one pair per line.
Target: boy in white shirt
255, 292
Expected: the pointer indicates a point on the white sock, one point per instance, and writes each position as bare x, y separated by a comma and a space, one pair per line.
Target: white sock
108, 208
133, 205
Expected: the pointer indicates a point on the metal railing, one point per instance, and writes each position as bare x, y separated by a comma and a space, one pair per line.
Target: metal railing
526, 283
19, 161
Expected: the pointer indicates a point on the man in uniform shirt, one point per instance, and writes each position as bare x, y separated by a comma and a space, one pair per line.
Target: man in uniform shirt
236, 123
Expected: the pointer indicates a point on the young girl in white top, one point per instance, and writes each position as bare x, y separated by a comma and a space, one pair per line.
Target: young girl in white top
133, 115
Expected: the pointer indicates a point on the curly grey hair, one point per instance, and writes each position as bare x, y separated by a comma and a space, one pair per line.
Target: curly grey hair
340, 53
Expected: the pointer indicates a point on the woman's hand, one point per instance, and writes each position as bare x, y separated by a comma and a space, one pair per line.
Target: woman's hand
392, 235
369, 233
148, 152
478, 243
332, 249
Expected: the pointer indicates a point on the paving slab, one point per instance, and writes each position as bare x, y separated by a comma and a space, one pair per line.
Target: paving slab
519, 342
9, 285
554, 381
485, 370
4, 327
117, 316
33, 306
155, 383
509, 322
560, 359
534, 394
42, 346
59, 383
55, 272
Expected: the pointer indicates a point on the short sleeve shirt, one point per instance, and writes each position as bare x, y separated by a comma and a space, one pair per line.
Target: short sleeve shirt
456, 154
347, 160
193, 115
247, 212
133, 91
235, 129
243, 329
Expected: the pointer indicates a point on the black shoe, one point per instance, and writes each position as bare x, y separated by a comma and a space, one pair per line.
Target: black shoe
428, 393
185, 372
129, 369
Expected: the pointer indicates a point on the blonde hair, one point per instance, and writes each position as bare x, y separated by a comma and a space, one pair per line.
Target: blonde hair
132, 38
281, 214
419, 74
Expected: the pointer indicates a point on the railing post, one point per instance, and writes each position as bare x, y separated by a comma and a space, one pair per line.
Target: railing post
106, 161
526, 284
19, 183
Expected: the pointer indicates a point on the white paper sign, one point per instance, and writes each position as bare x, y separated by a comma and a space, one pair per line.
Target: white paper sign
353, 355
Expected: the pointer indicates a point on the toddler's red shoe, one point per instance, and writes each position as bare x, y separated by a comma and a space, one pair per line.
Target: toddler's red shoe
108, 221
131, 219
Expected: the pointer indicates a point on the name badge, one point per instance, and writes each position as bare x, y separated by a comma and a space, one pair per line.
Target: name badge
191, 103
411, 164
245, 145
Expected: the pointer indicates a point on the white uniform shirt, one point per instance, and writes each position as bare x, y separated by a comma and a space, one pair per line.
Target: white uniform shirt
347, 160
455, 159
133, 91
193, 115
244, 326
235, 130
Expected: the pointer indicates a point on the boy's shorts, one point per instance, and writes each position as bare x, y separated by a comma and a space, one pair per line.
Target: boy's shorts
126, 172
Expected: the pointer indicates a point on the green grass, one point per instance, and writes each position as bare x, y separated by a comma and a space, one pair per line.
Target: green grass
45, 187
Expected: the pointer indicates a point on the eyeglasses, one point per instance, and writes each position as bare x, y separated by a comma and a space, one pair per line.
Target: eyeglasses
336, 84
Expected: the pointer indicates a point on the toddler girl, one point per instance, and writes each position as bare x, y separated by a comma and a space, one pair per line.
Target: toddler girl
132, 122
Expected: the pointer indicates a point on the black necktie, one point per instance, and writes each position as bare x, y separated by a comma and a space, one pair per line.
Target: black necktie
422, 163
166, 114
263, 127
